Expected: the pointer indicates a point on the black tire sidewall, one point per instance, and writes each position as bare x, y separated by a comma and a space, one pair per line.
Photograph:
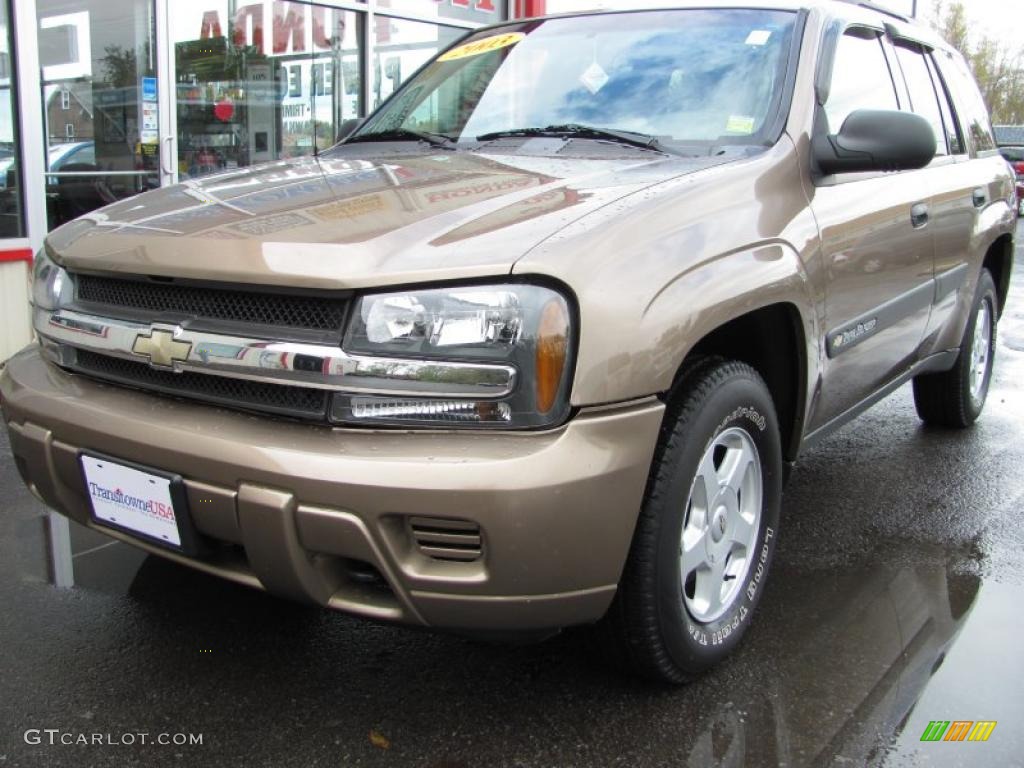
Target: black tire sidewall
741, 402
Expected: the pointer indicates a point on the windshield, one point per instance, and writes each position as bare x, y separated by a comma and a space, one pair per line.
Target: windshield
686, 76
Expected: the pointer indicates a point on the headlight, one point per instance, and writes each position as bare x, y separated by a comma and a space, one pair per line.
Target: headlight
476, 336
51, 286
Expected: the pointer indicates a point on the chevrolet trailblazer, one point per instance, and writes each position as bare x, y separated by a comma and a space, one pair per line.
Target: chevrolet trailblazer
536, 343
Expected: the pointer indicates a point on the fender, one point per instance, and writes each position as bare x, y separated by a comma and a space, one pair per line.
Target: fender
994, 222
691, 254
730, 286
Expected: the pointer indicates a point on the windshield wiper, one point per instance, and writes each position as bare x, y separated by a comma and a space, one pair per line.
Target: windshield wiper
576, 130
405, 134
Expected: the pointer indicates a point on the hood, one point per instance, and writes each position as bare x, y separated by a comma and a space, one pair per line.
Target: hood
357, 218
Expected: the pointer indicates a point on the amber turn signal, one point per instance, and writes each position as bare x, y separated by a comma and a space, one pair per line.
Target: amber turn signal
552, 345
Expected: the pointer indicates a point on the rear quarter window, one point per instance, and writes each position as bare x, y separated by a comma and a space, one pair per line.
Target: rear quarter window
969, 104
923, 97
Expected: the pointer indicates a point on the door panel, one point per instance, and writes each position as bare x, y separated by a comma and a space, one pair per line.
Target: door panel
950, 180
954, 219
876, 242
963, 192
879, 271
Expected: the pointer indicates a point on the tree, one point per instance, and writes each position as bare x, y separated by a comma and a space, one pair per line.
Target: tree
998, 69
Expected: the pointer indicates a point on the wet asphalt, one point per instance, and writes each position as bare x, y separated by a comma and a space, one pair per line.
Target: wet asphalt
894, 601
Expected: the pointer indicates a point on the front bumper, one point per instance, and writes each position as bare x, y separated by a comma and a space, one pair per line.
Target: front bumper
307, 511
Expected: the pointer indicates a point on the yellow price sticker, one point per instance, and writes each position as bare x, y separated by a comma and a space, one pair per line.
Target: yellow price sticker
741, 125
477, 47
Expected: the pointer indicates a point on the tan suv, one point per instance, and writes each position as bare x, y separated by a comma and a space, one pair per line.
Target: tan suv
536, 344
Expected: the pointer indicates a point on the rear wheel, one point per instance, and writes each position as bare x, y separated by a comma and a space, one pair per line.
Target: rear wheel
707, 531
956, 398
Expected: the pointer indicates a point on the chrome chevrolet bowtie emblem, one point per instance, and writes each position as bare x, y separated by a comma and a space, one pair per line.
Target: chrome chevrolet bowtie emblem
161, 348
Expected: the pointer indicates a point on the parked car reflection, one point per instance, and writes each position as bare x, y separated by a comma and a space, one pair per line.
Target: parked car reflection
77, 184
59, 158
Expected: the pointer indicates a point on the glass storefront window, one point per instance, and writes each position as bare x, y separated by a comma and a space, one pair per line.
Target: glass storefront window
402, 47
11, 220
261, 81
480, 11
99, 103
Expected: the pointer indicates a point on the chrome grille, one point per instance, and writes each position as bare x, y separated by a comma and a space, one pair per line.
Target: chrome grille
298, 402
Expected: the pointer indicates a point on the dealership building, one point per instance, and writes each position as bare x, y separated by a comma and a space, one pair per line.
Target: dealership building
103, 99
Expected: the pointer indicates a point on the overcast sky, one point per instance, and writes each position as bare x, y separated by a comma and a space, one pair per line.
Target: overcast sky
1000, 19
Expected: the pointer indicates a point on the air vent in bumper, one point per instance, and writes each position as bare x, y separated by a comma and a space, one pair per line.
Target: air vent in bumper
458, 541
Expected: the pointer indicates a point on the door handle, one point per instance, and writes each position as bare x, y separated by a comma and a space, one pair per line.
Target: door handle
980, 197
163, 165
919, 216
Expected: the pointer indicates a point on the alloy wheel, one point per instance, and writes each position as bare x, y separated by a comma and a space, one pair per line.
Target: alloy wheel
721, 526
981, 351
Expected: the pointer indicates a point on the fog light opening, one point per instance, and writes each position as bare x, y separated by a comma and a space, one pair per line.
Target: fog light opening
382, 410
366, 575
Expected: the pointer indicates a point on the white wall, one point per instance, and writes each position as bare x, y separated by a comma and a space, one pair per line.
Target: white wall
15, 329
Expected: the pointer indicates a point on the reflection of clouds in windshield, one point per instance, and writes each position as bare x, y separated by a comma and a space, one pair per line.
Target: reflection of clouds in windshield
686, 82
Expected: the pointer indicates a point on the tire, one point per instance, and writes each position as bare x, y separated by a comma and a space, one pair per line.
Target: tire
663, 622
954, 399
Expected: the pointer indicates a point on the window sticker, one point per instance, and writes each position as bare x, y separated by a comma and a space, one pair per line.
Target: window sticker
594, 78
759, 37
477, 47
740, 125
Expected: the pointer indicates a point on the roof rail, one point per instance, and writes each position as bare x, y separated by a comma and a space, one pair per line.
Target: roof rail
878, 8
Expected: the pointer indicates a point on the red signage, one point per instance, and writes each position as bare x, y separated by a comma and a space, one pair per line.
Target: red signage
289, 24
480, 5
528, 8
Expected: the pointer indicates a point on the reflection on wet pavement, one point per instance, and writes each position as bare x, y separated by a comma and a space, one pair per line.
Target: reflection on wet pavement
894, 602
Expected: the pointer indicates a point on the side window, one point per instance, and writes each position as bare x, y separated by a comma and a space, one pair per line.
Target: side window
923, 100
860, 78
957, 146
970, 106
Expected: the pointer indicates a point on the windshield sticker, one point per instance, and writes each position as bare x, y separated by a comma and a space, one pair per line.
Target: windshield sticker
477, 47
741, 125
758, 37
595, 78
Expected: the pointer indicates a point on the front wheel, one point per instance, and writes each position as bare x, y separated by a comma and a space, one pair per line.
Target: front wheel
956, 398
708, 527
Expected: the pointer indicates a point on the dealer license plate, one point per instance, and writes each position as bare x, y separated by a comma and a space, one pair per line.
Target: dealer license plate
132, 500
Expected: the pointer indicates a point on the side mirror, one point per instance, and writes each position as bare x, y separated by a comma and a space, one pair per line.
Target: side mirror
876, 140
347, 127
